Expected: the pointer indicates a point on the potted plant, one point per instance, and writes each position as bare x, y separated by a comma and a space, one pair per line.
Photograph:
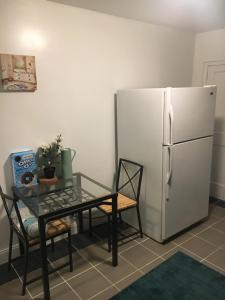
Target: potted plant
50, 154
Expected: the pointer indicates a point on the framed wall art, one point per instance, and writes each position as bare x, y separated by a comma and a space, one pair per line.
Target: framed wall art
17, 73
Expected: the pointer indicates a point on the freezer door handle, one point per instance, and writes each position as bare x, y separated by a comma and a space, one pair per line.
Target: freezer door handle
169, 174
171, 118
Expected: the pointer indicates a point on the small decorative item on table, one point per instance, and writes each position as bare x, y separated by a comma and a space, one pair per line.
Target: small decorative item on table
43, 180
48, 157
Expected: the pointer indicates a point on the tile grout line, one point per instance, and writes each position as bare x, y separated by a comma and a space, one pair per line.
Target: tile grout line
177, 245
152, 251
189, 238
128, 262
204, 259
209, 255
191, 252
194, 235
127, 276
140, 269
122, 251
159, 256
64, 280
78, 274
94, 267
210, 243
208, 227
220, 231
137, 269
73, 290
100, 292
61, 283
50, 288
128, 247
21, 280
109, 281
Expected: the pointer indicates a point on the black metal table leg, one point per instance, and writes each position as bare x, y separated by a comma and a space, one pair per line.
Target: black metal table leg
44, 261
80, 214
114, 231
21, 246
80, 222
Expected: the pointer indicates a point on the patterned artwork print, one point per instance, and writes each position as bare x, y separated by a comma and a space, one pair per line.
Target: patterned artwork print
17, 73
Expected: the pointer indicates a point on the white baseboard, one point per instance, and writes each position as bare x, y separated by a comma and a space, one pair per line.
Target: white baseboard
217, 190
219, 138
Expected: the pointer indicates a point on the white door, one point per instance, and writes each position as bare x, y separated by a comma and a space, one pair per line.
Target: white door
186, 176
215, 74
189, 114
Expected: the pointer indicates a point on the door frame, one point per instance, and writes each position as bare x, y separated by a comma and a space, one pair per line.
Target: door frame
217, 189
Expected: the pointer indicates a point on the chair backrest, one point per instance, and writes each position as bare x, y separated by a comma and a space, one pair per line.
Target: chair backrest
129, 178
12, 211
8, 208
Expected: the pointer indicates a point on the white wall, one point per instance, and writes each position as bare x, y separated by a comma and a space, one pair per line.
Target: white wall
82, 58
209, 68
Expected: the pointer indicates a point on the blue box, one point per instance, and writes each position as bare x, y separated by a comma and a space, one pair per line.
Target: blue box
24, 168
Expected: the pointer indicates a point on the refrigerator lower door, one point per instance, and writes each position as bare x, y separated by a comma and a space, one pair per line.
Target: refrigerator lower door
188, 114
186, 177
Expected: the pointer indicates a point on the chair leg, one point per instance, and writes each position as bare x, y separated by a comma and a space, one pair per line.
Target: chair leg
120, 218
90, 222
109, 233
10, 248
52, 244
139, 221
26, 254
70, 251
21, 245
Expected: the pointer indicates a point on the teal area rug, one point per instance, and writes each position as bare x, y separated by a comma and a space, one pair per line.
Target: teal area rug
178, 278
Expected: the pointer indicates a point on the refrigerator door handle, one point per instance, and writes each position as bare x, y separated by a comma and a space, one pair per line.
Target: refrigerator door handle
171, 123
169, 174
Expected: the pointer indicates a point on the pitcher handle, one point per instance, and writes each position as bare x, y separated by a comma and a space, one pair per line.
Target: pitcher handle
74, 153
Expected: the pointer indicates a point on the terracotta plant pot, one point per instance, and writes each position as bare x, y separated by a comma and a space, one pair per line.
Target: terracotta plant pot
49, 172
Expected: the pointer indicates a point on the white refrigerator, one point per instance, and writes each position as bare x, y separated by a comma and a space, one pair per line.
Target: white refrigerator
170, 132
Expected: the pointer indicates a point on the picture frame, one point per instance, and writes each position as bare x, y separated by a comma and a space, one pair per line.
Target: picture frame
17, 73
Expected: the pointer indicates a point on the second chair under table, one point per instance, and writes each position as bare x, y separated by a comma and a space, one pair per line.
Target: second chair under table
128, 187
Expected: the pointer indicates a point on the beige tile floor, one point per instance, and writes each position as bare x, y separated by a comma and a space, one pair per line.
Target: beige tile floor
94, 277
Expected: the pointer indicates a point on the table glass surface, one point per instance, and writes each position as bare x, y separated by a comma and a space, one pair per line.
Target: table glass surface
42, 199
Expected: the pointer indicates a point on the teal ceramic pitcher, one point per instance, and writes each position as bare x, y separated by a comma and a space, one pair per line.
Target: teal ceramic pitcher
67, 156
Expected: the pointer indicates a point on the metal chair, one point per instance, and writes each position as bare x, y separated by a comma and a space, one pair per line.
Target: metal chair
55, 228
128, 186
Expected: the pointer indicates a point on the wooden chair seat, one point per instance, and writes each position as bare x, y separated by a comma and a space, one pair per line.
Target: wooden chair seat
54, 228
123, 202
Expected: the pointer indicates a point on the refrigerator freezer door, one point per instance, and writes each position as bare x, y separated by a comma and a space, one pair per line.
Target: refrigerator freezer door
186, 177
188, 114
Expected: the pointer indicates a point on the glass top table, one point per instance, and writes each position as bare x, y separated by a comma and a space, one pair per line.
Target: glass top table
43, 199
64, 198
